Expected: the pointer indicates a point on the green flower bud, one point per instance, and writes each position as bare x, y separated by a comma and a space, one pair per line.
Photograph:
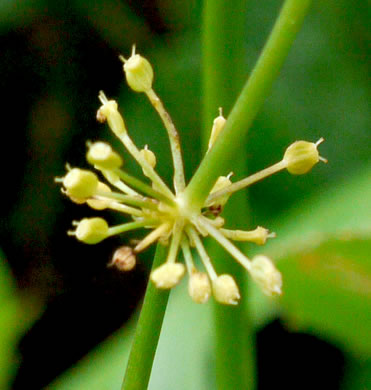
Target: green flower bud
218, 126
301, 156
221, 183
149, 156
199, 287
108, 111
258, 236
168, 275
138, 72
100, 204
225, 290
102, 155
91, 230
80, 183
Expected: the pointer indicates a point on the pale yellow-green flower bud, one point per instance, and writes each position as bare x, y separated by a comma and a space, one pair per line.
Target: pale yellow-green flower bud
168, 275
258, 236
225, 290
100, 204
123, 259
199, 287
76, 200
266, 275
149, 156
138, 72
221, 183
91, 230
102, 155
301, 156
80, 183
109, 112
218, 125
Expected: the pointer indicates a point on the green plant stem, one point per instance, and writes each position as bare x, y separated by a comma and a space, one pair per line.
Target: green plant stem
256, 89
223, 44
147, 333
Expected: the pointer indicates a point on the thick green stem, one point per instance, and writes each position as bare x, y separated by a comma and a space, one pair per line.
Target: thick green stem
223, 44
217, 161
147, 334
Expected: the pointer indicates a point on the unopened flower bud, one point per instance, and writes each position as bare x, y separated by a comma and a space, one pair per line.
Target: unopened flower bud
149, 156
138, 72
75, 200
91, 230
102, 155
221, 183
266, 275
199, 287
225, 290
80, 183
301, 156
258, 236
100, 204
218, 125
109, 112
168, 275
123, 259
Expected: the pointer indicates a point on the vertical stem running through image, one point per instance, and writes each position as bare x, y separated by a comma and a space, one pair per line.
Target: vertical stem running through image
147, 333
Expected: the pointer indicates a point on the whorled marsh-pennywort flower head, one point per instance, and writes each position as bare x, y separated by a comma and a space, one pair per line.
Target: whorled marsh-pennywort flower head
169, 216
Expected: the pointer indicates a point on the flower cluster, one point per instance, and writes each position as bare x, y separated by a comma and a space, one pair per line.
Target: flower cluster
167, 215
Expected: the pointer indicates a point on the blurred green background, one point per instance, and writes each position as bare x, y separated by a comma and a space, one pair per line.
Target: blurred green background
59, 300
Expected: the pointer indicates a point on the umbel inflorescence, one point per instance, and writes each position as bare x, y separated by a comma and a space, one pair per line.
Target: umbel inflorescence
166, 214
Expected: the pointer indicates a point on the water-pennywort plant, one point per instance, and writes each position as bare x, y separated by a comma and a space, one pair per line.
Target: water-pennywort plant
179, 218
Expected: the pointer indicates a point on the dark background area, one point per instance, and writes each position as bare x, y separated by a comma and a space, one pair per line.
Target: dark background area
55, 57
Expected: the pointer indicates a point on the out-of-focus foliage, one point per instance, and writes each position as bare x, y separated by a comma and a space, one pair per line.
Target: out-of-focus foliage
327, 265
14, 320
55, 59
8, 325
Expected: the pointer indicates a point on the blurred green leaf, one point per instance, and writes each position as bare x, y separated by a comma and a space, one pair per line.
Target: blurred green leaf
358, 374
328, 291
177, 357
9, 325
323, 249
103, 368
18, 14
